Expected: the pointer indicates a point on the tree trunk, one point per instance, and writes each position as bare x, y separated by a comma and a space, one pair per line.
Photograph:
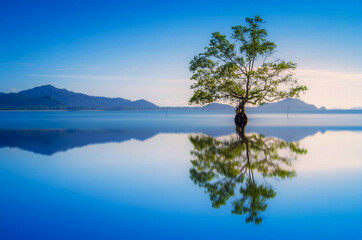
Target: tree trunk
240, 118
240, 130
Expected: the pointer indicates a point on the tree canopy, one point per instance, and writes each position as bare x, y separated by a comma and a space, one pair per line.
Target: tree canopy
238, 71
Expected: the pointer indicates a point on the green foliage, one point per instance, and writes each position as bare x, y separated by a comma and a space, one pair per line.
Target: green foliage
225, 168
237, 71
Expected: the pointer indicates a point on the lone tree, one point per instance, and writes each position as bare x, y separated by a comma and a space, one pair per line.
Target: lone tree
237, 71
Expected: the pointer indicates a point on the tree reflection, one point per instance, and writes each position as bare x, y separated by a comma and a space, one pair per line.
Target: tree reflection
242, 163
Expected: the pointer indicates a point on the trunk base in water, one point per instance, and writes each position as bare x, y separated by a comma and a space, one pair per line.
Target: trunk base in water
241, 119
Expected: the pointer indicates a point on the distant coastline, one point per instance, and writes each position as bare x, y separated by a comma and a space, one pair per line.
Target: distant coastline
203, 110
49, 98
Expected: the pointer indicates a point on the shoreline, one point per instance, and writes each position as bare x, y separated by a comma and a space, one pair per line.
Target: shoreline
248, 111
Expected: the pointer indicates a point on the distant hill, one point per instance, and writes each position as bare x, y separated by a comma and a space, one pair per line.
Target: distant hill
219, 106
14, 101
356, 108
210, 107
289, 103
75, 101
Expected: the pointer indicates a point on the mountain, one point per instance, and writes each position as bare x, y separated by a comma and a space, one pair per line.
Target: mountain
1, 93
80, 101
289, 103
14, 101
356, 108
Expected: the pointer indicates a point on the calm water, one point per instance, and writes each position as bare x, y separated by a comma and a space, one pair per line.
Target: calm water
184, 175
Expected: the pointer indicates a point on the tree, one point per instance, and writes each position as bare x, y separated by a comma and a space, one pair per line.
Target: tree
226, 168
238, 71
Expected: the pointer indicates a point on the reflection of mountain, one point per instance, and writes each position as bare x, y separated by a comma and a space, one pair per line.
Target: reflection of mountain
48, 142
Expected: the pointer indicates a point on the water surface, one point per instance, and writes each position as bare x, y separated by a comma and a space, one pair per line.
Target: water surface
137, 175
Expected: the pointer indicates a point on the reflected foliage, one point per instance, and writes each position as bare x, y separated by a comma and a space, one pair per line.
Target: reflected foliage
238, 166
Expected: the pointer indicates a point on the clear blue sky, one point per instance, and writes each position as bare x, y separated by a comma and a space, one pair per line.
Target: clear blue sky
141, 49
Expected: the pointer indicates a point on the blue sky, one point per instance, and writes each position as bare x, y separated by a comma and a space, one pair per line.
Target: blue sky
141, 49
